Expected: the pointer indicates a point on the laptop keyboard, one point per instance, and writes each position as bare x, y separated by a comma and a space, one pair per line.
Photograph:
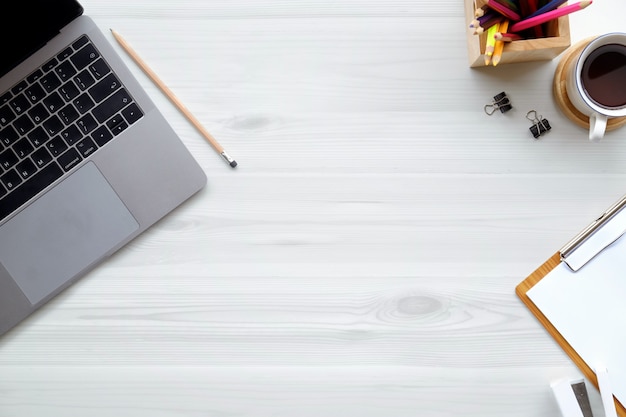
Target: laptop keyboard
56, 117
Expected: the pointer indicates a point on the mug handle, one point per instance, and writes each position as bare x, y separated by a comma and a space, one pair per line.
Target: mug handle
597, 126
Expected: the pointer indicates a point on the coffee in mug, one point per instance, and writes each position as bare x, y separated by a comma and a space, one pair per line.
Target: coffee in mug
596, 82
604, 74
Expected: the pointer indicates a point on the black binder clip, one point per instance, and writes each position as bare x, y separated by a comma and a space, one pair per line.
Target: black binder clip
540, 125
500, 102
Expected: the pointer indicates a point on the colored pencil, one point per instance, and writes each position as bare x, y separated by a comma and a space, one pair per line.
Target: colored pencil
503, 10
499, 45
549, 6
482, 27
480, 11
524, 8
165, 89
507, 37
482, 21
511, 4
490, 43
551, 15
532, 5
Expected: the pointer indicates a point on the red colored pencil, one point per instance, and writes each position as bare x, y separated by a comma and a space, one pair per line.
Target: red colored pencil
507, 37
502, 9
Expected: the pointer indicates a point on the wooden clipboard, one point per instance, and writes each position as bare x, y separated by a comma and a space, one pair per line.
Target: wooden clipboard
522, 289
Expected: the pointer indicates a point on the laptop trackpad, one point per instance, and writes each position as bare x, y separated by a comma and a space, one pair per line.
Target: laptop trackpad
63, 232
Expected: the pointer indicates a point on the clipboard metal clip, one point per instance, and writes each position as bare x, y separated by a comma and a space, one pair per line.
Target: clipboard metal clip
595, 238
575, 266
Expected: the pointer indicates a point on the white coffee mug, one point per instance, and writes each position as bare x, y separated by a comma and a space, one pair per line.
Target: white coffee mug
596, 82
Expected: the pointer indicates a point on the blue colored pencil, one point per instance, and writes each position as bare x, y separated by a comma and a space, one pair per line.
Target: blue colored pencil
549, 6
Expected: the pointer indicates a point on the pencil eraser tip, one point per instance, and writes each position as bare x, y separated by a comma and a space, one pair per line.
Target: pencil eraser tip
233, 164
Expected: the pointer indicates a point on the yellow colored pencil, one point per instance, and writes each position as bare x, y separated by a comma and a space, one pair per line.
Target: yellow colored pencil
499, 46
490, 42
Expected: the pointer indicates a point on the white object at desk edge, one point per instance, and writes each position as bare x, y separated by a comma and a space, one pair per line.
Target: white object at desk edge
606, 392
566, 399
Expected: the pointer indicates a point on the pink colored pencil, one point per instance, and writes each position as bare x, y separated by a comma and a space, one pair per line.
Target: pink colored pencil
551, 15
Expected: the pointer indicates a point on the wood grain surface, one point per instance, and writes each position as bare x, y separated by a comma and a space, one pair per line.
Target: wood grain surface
362, 259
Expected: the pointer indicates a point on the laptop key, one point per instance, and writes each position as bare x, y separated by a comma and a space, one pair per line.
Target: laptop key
48, 66
34, 185
23, 148
101, 135
26, 168
38, 113
83, 103
50, 82
4, 98
6, 115
119, 128
11, 179
8, 159
35, 93
114, 121
66, 53
85, 56
8, 136
86, 124
19, 87
132, 113
41, 157
53, 125
104, 88
84, 79
56, 146
38, 137
111, 105
34, 76
53, 102
68, 114
65, 70
20, 104
99, 69
23, 125
69, 91
80, 42
69, 159
71, 135
86, 147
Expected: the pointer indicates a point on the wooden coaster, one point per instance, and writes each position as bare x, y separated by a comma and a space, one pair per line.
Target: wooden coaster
560, 92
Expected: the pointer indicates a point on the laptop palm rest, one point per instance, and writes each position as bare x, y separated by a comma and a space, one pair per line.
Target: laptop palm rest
63, 232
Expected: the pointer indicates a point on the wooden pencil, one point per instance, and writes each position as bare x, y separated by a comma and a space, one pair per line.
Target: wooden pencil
490, 43
504, 10
172, 97
549, 6
499, 44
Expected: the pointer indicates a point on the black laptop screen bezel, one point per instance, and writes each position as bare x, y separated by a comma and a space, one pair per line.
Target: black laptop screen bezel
27, 25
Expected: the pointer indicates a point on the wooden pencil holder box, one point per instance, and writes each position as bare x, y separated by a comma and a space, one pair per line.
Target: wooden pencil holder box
540, 49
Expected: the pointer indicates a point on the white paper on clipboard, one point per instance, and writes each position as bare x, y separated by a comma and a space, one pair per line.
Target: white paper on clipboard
588, 308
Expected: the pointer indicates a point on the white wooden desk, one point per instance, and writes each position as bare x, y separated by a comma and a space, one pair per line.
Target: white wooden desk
362, 259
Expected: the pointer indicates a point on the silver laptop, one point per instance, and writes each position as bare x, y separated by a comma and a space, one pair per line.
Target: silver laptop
87, 162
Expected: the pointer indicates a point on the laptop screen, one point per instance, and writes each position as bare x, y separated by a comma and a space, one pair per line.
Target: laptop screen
27, 25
